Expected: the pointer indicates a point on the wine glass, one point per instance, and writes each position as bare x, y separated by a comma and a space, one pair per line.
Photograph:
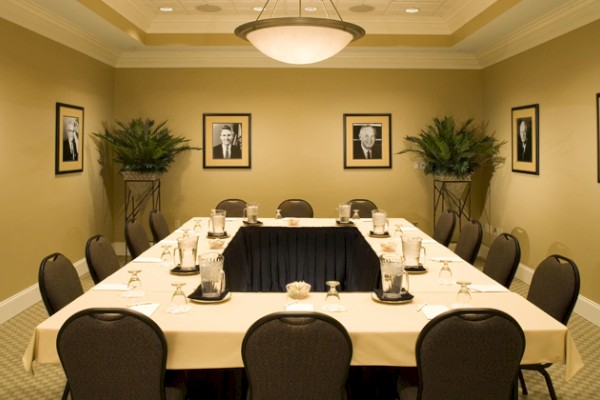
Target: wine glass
134, 285
332, 298
179, 303
355, 215
463, 297
398, 234
197, 225
445, 275
167, 257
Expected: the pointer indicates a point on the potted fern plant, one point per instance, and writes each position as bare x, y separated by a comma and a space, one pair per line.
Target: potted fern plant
454, 151
144, 149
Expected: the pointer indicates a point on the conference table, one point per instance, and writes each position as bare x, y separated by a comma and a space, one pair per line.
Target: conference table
210, 334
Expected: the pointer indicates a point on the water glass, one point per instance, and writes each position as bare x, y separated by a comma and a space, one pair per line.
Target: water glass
463, 298
355, 215
251, 213
216, 222
178, 303
134, 285
332, 298
167, 258
344, 213
380, 222
445, 275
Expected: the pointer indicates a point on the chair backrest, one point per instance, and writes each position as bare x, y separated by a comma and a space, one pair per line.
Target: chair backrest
469, 354
101, 258
234, 207
469, 241
503, 259
363, 206
297, 355
136, 238
158, 226
112, 353
555, 287
444, 228
296, 208
58, 281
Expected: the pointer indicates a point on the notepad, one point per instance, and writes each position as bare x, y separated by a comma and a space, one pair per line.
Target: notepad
433, 310
111, 286
146, 309
488, 288
148, 260
299, 307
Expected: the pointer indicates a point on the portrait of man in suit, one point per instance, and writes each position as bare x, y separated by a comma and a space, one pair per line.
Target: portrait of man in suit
367, 143
70, 139
524, 144
228, 135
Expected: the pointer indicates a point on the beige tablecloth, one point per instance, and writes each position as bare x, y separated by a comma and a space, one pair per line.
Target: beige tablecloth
210, 335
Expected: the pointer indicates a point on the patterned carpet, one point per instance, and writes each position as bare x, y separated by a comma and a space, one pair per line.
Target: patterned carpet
48, 381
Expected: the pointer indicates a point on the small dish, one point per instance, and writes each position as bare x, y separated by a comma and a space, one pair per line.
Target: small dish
298, 290
200, 301
389, 246
292, 221
215, 243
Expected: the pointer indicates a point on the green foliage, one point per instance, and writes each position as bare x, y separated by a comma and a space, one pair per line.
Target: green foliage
456, 151
143, 147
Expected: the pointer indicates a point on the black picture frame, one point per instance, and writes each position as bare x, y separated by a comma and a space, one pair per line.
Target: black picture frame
69, 148
377, 131
526, 153
236, 127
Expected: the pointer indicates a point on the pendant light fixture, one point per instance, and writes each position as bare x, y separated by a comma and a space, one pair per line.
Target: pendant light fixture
299, 40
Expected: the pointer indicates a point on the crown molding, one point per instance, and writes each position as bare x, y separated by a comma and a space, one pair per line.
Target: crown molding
564, 19
248, 57
29, 15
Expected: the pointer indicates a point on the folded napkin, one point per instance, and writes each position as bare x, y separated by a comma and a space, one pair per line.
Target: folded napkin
148, 260
170, 242
111, 286
433, 310
494, 287
197, 295
404, 297
145, 308
428, 241
299, 307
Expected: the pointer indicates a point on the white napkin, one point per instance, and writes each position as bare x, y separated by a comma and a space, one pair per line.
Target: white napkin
169, 242
428, 241
148, 260
299, 307
111, 286
433, 310
449, 258
145, 308
494, 287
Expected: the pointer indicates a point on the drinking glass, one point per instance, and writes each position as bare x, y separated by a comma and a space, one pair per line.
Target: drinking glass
332, 298
198, 225
278, 217
216, 223
344, 213
463, 298
167, 257
398, 234
355, 215
445, 275
251, 213
179, 303
134, 285
380, 222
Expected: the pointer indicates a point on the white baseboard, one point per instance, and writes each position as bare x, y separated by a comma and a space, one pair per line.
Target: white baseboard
31, 295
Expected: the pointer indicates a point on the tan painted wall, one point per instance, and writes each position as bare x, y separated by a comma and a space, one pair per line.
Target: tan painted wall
297, 133
557, 211
42, 212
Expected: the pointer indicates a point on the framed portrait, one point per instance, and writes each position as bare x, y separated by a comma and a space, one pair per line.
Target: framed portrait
69, 139
526, 139
598, 131
367, 141
226, 142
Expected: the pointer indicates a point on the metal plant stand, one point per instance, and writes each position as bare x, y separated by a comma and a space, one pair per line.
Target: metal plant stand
137, 194
452, 195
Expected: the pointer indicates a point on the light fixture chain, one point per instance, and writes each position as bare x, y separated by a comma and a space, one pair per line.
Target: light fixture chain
336, 10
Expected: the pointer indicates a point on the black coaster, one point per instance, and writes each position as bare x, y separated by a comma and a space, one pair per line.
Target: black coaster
257, 223
178, 271
406, 296
212, 235
415, 268
197, 295
377, 235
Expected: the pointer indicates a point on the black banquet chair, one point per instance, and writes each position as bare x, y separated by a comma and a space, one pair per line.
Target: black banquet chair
503, 259
444, 228
234, 207
467, 354
363, 206
59, 285
115, 353
296, 356
296, 208
136, 238
101, 258
158, 226
469, 241
554, 288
